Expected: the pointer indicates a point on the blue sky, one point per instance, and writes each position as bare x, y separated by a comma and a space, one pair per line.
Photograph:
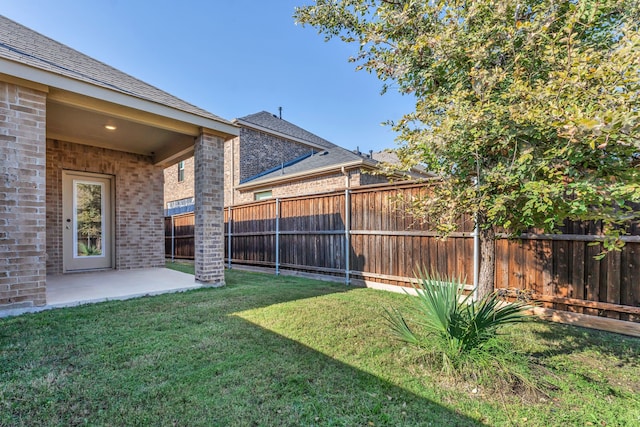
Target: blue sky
233, 58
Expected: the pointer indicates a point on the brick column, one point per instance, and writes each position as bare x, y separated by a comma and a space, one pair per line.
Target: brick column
22, 197
209, 215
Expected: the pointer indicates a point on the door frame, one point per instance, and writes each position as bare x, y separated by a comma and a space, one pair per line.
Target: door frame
72, 175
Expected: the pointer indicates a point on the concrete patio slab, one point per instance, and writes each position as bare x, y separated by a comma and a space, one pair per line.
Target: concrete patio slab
68, 290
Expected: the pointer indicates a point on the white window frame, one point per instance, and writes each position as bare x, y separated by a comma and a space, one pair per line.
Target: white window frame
262, 195
181, 171
75, 218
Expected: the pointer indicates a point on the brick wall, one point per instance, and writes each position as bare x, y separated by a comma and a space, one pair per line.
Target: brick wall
260, 151
22, 197
368, 178
209, 217
139, 226
231, 169
175, 190
312, 185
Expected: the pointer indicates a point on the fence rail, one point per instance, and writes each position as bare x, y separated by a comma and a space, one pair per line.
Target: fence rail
360, 235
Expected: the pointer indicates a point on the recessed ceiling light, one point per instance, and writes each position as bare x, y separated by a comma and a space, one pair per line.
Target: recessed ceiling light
110, 127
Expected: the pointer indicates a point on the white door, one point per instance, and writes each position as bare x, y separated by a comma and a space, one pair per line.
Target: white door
86, 221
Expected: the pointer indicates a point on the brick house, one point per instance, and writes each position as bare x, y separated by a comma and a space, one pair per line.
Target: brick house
83, 147
274, 158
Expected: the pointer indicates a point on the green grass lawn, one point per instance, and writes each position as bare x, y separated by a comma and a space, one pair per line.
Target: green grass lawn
283, 351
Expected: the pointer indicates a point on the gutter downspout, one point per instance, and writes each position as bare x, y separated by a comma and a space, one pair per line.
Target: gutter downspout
347, 182
233, 173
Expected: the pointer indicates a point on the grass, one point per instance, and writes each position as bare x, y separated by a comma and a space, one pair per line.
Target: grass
283, 351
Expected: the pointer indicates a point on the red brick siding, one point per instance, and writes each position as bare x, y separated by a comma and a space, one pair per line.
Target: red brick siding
302, 186
22, 196
260, 151
368, 178
209, 217
139, 232
175, 190
231, 169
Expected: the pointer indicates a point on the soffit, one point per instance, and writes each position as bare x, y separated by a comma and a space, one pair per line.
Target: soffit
82, 126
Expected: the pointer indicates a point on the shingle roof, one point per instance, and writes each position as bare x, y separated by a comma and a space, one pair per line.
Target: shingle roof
320, 160
386, 156
25, 46
391, 158
332, 155
267, 120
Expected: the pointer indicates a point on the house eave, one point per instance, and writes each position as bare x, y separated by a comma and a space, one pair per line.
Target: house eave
306, 174
68, 90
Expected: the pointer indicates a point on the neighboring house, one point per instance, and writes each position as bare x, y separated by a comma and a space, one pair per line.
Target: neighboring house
274, 158
83, 147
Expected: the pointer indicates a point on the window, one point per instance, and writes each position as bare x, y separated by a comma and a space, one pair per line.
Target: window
181, 171
262, 195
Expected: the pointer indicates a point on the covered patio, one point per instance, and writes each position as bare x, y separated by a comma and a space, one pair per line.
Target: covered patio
83, 148
69, 290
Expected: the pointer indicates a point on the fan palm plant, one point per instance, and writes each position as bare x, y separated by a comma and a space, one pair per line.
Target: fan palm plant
88, 250
443, 310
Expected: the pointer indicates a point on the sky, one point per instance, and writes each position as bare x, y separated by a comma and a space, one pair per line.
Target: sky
230, 57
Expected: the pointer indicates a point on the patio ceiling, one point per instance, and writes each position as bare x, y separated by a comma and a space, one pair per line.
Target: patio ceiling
82, 120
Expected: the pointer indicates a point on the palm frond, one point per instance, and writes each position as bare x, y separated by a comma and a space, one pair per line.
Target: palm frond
399, 327
462, 324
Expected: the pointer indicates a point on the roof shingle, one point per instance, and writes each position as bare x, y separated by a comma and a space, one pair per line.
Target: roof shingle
25, 46
332, 155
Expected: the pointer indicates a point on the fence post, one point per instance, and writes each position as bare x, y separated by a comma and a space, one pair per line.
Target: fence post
476, 251
347, 236
229, 233
173, 239
277, 237
476, 259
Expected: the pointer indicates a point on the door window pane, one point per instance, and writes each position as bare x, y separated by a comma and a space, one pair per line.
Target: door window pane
88, 216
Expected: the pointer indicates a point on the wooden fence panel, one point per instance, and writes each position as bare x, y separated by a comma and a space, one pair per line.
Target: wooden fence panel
630, 283
312, 233
386, 246
183, 236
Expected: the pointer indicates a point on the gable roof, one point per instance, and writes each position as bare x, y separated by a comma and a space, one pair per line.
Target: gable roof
272, 123
23, 46
327, 156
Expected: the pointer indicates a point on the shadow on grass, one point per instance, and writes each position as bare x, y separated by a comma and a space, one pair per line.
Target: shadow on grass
568, 339
187, 359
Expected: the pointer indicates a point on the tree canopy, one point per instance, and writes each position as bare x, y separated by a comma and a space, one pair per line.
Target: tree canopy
527, 109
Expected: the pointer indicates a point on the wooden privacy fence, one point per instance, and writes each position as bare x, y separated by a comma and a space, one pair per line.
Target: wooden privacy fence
179, 236
359, 234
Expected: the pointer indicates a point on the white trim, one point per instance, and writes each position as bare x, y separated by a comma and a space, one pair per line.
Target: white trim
69, 247
74, 215
47, 78
261, 195
306, 174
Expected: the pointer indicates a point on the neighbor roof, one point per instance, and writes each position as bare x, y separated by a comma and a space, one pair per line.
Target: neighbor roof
391, 158
271, 122
25, 46
327, 155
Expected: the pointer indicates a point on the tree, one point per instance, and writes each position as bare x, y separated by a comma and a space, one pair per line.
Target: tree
89, 218
528, 110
